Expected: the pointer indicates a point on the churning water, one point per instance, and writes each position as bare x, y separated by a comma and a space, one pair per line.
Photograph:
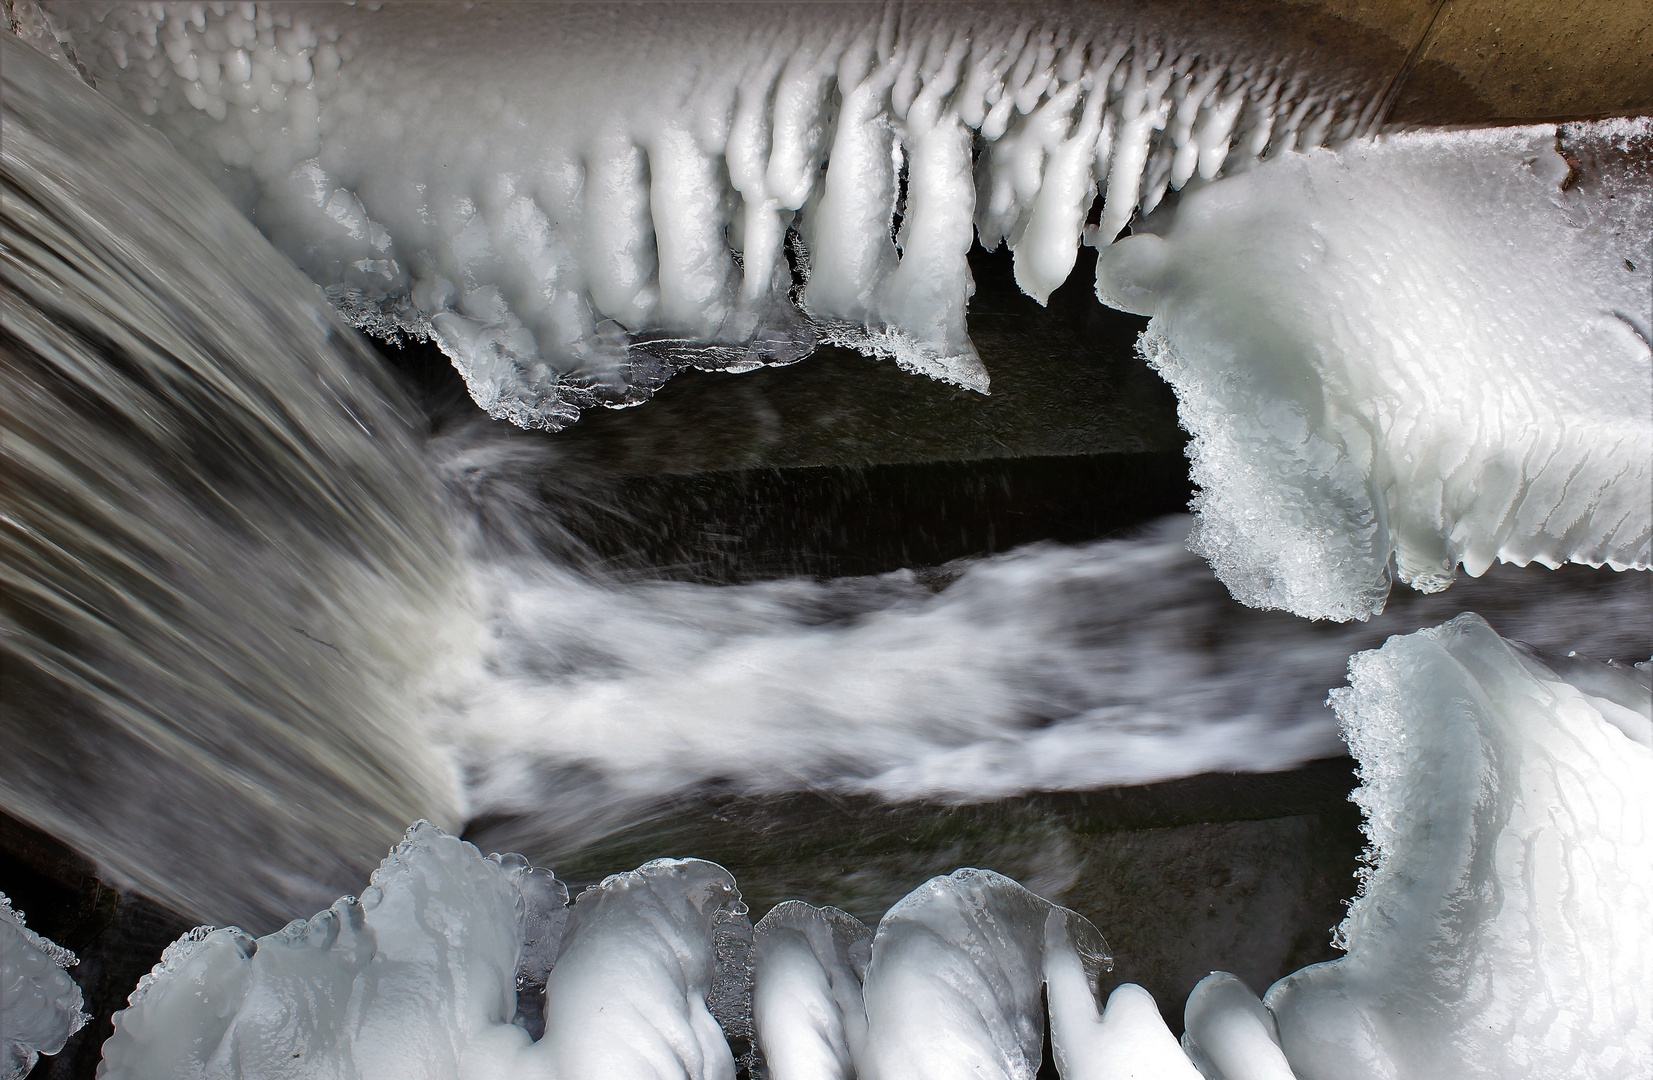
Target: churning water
252, 628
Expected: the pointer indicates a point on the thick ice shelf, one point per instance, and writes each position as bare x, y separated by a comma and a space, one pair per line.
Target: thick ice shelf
1500, 932
576, 204
1421, 351
40, 1006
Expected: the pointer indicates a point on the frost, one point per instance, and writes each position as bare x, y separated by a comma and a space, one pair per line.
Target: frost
1420, 352
39, 1003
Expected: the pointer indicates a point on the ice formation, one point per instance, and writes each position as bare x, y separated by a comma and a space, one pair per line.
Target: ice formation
1500, 932
952, 989
574, 204
1422, 351
39, 1003
1501, 929
1430, 349
1230, 1034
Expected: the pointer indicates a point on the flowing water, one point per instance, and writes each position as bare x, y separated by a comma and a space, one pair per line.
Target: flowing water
257, 618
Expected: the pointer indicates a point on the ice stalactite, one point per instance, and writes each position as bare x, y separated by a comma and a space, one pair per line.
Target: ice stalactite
40, 1006
1426, 350
576, 204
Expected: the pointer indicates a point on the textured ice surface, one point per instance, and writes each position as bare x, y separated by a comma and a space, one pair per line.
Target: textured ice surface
953, 986
808, 967
39, 1003
1501, 929
1430, 348
577, 199
1129, 1041
415, 979
640, 973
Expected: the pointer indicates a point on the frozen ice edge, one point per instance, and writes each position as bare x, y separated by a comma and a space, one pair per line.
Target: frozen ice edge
1478, 392
40, 1006
1498, 933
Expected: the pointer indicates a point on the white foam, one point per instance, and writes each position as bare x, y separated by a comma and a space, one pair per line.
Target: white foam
1424, 348
575, 205
1501, 929
39, 1003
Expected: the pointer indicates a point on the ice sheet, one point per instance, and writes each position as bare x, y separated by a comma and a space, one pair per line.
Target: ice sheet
1501, 927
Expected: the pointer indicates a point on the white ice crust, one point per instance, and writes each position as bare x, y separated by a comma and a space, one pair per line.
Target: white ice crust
1501, 930
575, 204
1419, 351
40, 1006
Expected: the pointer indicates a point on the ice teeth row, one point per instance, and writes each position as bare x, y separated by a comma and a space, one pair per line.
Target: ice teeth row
574, 207
1500, 932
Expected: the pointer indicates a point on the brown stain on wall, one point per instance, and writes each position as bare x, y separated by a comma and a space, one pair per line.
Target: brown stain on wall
1477, 61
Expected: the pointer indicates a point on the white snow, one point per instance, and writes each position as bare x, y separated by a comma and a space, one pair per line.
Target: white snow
1425, 348
1501, 930
576, 203
39, 1003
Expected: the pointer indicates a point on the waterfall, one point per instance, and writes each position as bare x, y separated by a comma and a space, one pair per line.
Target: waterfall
226, 565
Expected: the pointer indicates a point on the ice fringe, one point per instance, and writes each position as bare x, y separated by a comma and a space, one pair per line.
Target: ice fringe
1420, 351
575, 205
1500, 932
40, 1006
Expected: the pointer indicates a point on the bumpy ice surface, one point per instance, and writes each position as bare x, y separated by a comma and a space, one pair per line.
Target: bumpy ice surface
1430, 348
575, 204
39, 1003
1501, 930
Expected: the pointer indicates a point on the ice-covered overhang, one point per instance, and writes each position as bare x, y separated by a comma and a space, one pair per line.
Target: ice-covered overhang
1398, 355
578, 198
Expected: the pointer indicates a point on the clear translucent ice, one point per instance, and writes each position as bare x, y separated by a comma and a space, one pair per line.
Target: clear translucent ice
1428, 348
1502, 927
39, 1003
575, 205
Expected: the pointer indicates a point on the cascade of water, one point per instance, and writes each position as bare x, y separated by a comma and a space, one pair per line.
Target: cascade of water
223, 555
